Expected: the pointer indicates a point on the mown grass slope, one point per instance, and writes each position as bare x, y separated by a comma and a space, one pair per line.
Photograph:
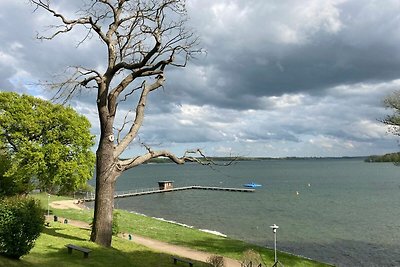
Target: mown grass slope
50, 248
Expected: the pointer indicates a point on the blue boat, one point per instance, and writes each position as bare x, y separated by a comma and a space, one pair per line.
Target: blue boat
252, 185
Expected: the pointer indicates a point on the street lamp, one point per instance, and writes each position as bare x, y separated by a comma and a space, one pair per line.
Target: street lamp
274, 228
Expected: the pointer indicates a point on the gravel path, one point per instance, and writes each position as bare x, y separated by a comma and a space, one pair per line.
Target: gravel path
150, 243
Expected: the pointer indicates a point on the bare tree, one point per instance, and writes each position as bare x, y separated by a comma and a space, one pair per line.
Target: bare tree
143, 38
393, 121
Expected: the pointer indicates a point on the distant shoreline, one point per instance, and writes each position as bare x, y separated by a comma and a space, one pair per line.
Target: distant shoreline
391, 157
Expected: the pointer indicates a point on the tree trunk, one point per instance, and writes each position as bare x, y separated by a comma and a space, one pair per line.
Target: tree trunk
106, 176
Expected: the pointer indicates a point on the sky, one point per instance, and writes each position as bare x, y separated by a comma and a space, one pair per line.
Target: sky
279, 78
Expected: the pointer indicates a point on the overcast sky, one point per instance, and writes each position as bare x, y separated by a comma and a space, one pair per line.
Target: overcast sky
280, 77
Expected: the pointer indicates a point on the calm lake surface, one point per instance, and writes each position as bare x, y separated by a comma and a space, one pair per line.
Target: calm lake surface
346, 211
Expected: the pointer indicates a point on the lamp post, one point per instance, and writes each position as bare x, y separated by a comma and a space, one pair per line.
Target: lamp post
274, 228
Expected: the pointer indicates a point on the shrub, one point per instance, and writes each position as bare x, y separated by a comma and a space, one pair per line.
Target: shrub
115, 224
216, 261
21, 222
252, 258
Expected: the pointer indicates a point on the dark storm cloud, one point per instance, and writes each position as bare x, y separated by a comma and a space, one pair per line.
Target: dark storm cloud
246, 61
238, 70
27, 61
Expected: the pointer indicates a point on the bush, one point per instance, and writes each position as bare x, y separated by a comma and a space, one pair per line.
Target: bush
216, 261
252, 258
115, 224
21, 222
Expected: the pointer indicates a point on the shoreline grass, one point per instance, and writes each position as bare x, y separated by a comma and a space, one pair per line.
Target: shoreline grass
168, 232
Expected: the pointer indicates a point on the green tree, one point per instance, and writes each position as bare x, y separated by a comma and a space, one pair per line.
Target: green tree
45, 145
7, 185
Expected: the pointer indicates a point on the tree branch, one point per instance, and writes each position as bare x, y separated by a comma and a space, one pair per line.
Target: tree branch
130, 163
202, 159
78, 79
68, 24
137, 123
125, 122
11, 142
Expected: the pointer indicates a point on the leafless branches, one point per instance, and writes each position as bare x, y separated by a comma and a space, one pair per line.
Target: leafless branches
195, 155
393, 121
143, 38
67, 24
124, 123
78, 78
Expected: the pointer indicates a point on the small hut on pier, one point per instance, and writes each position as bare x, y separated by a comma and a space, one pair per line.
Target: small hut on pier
163, 185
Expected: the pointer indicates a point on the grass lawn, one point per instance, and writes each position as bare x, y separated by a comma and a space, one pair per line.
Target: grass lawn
50, 248
50, 251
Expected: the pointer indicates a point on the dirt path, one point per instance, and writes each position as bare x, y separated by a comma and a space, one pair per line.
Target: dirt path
179, 250
79, 224
66, 204
144, 241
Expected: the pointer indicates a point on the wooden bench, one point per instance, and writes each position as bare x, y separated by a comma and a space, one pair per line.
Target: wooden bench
85, 251
176, 259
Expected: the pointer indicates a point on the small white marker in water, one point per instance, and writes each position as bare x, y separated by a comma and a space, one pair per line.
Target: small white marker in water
297, 193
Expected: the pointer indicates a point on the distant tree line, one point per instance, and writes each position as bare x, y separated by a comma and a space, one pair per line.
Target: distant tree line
391, 157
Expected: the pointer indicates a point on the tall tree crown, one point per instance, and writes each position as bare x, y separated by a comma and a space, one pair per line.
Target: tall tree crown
142, 38
45, 146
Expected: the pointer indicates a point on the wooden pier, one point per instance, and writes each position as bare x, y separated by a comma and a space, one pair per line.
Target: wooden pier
149, 191
222, 188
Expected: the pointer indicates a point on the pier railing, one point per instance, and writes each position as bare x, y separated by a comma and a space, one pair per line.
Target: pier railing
135, 191
153, 190
117, 194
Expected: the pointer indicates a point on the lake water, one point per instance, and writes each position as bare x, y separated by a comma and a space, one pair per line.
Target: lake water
346, 212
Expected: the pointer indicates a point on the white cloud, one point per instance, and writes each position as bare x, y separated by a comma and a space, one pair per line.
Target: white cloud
228, 16
368, 129
7, 59
286, 22
283, 101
